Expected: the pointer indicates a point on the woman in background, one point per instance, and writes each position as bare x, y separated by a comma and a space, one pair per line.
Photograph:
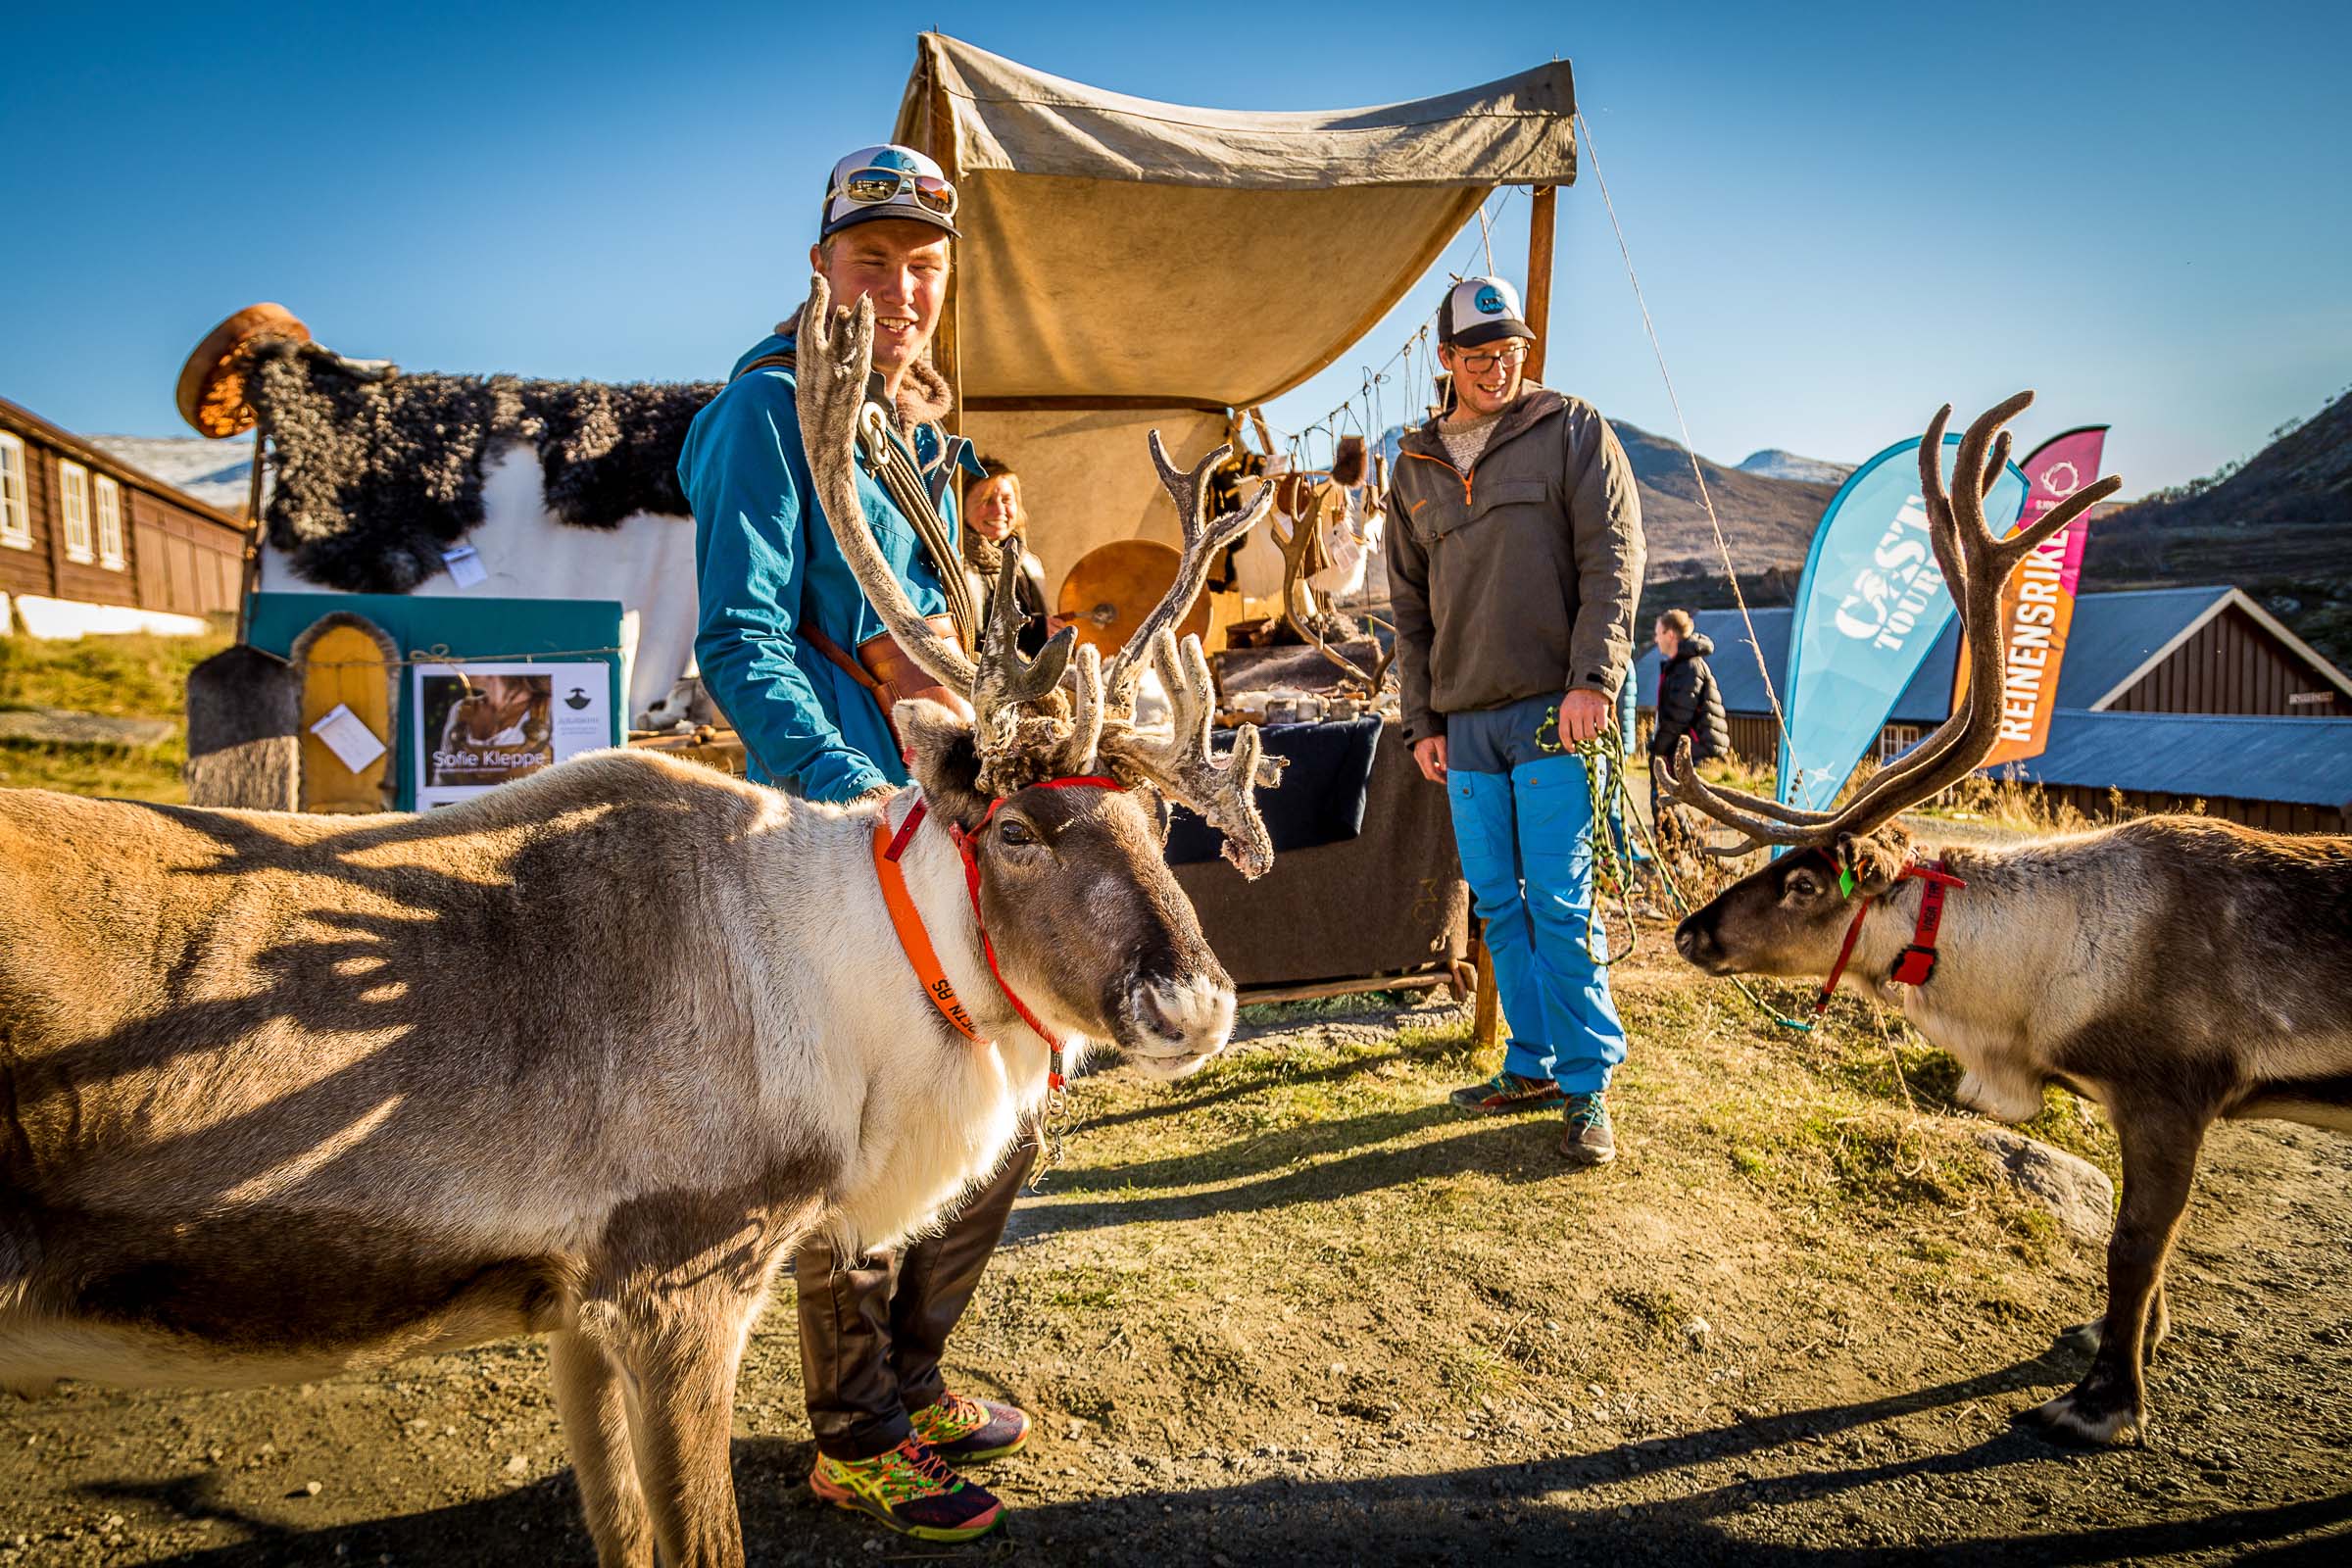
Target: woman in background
994, 521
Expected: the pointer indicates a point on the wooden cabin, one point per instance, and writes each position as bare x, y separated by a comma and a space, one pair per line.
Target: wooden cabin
89, 542
2168, 698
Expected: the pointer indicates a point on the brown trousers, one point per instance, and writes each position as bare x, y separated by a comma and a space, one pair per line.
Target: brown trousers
873, 1328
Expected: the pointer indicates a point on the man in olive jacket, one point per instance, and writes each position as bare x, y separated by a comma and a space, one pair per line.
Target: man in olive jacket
1515, 553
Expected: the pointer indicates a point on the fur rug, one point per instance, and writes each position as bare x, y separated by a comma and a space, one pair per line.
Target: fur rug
376, 478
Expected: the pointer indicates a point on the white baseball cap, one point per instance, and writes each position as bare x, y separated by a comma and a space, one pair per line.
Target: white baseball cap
1479, 309
886, 182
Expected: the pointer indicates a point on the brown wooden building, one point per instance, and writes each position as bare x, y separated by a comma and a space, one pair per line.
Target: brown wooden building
2209, 650
2168, 698
80, 528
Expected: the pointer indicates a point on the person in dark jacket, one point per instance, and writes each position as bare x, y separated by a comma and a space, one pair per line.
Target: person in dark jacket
1690, 703
1514, 546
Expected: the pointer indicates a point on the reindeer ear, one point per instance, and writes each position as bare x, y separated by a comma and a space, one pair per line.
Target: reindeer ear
1874, 859
943, 757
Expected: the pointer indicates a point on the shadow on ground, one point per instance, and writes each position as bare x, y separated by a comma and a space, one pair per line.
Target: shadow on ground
1550, 1510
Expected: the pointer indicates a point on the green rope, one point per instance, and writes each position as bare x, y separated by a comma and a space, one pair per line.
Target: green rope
1604, 758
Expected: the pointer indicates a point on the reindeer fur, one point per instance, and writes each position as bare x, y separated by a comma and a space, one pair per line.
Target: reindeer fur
286, 1096
2178, 970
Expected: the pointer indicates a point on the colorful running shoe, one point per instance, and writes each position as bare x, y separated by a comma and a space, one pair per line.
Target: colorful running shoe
963, 1430
912, 1491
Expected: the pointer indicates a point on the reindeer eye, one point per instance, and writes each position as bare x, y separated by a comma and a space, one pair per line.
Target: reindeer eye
1802, 884
1012, 830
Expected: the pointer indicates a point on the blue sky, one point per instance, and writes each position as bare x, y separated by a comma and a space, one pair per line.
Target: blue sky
1842, 215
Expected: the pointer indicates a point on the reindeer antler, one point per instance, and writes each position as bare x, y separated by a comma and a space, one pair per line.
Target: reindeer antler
835, 356
1062, 713
1185, 766
1977, 567
1204, 537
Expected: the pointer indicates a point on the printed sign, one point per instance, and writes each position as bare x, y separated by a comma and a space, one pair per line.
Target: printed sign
348, 736
482, 725
1872, 603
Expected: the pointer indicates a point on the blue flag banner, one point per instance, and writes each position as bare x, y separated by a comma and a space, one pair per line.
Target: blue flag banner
1870, 607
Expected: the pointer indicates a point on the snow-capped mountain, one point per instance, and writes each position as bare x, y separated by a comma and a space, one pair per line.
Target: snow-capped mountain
1774, 463
215, 472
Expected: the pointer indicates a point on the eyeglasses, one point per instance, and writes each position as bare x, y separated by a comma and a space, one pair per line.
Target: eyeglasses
1481, 363
870, 187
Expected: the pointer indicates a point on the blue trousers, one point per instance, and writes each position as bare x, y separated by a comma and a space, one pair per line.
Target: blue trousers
1523, 822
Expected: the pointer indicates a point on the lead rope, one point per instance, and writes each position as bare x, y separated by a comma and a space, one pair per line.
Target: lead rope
1053, 1117
1604, 758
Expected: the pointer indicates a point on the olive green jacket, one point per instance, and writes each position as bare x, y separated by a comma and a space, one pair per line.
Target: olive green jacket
1520, 577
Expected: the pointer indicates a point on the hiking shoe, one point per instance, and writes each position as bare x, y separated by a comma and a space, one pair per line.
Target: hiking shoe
911, 1489
1587, 1139
962, 1430
1508, 1091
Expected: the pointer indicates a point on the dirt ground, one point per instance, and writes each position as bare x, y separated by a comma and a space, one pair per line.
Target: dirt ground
1295, 1308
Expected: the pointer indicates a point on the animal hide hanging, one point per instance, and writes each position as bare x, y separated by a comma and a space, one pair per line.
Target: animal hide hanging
376, 478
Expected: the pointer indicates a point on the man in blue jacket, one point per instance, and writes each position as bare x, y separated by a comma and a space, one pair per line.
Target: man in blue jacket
798, 660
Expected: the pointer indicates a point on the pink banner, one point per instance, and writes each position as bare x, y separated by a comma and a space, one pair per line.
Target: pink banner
2056, 470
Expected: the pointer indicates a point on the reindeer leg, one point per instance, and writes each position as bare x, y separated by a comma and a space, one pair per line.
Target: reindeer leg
596, 1431
2159, 1161
681, 1403
2085, 1337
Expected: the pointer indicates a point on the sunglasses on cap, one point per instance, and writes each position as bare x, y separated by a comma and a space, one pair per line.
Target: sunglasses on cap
871, 187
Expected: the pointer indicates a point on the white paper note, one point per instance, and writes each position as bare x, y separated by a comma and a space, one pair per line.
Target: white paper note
348, 736
465, 566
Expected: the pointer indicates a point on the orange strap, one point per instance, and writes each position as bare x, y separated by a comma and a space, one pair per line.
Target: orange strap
909, 923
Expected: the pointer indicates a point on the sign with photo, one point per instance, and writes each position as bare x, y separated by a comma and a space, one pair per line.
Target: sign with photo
480, 726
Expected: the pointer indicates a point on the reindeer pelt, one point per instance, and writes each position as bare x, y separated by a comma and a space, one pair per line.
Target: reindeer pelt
332, 1125
376, 478
244, 719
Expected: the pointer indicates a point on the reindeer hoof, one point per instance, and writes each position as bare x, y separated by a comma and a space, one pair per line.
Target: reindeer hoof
2070, 1418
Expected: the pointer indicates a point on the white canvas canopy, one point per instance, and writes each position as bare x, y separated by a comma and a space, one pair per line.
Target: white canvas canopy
1127, 263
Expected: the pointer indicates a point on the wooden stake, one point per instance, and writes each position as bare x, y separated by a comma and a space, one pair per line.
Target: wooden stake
1539, 276
1486, 1014
253, 539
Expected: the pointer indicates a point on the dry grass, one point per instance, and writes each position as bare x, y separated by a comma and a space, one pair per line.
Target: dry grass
123, 677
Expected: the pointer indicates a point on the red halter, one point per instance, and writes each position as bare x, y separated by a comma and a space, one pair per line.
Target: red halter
909, 923
1915, 964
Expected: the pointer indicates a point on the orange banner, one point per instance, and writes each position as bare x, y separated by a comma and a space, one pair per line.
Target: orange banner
2037, 605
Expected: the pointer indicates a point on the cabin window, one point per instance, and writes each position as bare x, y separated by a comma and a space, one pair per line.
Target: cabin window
1896, 739
110, 524
16, 500
73, 510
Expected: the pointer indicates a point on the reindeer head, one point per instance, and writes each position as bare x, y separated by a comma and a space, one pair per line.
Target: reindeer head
1789, 918
1089, 923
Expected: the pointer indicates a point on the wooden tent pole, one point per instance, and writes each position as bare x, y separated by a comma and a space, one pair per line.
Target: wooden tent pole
250, 577
947, 346
1539, 276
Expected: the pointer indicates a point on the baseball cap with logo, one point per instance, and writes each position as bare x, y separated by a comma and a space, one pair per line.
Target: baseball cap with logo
1479, 309
886, 182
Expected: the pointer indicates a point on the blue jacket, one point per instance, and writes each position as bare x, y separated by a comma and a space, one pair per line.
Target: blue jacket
766, 564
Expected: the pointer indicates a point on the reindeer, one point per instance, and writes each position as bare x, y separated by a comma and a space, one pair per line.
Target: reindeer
2176, 969
250, 1137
